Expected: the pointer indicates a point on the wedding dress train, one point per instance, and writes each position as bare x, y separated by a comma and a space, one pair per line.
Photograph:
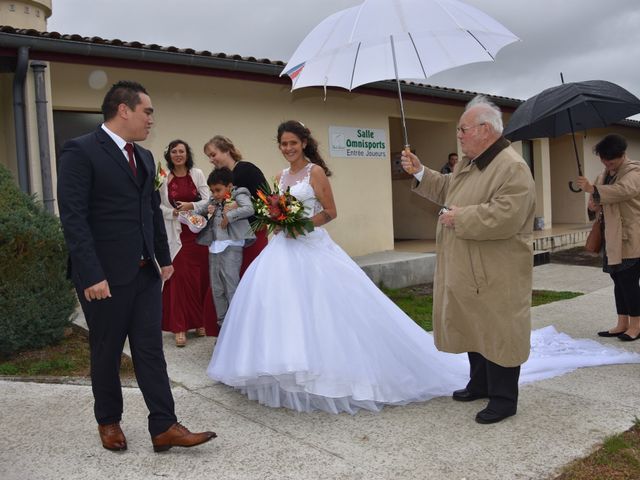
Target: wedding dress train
308, 330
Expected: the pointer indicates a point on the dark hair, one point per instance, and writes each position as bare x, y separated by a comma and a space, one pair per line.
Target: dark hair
451, 155
610, 147
172, 145
124, 91
220, 176
225, 145
304, 134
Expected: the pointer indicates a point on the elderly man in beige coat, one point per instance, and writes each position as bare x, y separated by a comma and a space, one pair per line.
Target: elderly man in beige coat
482, 287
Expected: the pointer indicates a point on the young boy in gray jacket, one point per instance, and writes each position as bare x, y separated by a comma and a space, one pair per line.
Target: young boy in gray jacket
226, 233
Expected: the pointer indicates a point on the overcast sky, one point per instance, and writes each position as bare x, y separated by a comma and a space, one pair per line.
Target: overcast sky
584, 39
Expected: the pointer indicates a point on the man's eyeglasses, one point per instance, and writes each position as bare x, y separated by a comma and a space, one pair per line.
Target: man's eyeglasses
464, 130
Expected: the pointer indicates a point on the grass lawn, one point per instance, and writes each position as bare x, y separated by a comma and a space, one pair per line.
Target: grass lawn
68, 358
618, 458
417, 302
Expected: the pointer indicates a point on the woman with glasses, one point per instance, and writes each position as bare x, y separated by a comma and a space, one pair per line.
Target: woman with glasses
615, 196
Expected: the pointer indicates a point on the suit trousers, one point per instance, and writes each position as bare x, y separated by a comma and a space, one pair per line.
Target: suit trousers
224, 274
134, 311
499, 383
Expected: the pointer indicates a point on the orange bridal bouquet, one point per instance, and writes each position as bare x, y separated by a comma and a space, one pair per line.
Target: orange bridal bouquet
275, 210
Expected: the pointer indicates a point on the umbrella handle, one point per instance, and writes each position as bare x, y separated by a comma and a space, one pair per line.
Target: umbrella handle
573, 189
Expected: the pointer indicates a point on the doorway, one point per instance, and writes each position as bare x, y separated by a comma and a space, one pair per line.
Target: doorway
68, 125
414, 217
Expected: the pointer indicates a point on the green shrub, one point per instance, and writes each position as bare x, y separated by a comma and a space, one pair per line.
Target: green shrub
36, 299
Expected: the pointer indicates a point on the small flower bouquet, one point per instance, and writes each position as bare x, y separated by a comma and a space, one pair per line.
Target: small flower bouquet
275, 210
161, 175
192, 220
225, 204
228, 199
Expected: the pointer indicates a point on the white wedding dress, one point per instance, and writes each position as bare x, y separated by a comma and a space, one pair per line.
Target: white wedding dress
307, 329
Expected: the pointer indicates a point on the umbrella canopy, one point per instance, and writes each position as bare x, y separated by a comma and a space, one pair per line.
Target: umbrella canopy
570, 107
394, 39
355, 46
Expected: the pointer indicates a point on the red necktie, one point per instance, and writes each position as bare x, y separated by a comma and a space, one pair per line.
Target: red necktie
129, 148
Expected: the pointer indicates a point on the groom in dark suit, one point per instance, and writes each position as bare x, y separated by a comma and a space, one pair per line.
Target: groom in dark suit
119, 257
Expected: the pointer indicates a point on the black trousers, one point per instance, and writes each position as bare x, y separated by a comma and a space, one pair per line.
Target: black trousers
133, 311
499, 383
627, 290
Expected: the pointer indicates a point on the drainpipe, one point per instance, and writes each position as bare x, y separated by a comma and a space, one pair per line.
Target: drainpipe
43, 135
19, 119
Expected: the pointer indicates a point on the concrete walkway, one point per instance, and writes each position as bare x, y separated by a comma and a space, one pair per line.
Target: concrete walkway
48, 431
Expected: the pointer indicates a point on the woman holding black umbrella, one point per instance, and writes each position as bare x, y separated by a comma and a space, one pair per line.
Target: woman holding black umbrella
616, 196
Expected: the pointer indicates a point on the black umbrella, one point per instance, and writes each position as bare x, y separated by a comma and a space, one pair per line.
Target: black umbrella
569, 107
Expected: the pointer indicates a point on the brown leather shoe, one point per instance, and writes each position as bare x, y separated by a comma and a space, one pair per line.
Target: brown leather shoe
179, 436
112, 437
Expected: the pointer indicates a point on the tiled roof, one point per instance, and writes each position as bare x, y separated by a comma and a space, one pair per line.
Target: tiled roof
269, 67
412, 87
133, 44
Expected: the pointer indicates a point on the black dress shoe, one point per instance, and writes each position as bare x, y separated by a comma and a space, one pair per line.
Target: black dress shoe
607, 333
488, 416
465, 395
628, 338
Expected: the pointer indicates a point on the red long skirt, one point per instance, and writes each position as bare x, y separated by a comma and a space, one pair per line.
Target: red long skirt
187, 302
248, 255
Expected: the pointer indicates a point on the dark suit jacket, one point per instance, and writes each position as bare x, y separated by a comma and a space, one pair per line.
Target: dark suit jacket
110, 218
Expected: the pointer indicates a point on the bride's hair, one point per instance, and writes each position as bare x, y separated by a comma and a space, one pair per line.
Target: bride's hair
304, 134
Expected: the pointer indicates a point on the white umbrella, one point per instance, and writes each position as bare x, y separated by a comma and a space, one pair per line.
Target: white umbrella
394, 39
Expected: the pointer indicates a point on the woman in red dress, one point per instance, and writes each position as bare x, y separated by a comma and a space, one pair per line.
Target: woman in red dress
186, 293
223, 153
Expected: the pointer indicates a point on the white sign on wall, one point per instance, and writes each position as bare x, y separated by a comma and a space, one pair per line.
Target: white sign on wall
347, 142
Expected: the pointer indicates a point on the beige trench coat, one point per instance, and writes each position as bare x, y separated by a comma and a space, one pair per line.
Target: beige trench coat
620, 202
484, 266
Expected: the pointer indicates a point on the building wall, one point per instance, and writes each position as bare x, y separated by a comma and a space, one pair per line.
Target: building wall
195, 108
373, 208
542, 174
567, 206
7, 132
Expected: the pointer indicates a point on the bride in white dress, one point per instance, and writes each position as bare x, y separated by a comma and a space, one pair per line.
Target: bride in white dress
307, 329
